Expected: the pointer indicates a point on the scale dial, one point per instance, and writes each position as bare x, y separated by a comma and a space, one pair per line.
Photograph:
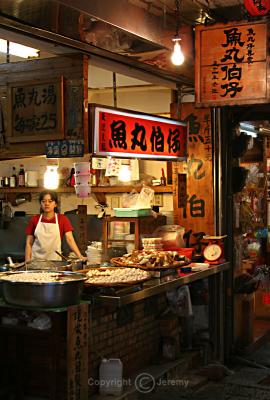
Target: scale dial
212, 252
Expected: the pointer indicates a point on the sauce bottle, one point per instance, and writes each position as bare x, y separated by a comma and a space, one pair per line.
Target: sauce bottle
21, 177
163, 178
13, 178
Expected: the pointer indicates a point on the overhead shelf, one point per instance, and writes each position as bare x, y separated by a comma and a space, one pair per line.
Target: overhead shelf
94, 189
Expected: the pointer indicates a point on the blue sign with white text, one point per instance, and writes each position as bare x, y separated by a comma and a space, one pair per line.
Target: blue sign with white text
64, 148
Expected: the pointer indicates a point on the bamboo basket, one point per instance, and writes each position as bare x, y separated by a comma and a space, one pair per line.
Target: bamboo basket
111, 284
175, 265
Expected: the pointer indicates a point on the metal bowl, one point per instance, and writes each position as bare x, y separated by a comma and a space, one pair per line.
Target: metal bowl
50, 294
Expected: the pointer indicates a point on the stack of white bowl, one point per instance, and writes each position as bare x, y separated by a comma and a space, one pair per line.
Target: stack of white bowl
94, 253
82, 179
151, 243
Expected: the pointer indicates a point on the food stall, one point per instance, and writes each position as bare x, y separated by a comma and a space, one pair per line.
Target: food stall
121, 309
121, 321
115, 319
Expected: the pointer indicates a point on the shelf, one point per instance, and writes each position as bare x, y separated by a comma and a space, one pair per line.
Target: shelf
9, 190
94, 189
125, 189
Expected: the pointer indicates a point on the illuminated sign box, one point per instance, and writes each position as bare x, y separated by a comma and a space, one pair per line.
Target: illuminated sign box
124, 133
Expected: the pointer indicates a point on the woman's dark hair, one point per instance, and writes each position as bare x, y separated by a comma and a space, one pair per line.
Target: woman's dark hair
53, 196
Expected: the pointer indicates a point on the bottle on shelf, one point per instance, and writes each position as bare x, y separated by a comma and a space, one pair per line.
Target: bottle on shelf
70, 181
163, 178
21, 177
94, 178
13, 178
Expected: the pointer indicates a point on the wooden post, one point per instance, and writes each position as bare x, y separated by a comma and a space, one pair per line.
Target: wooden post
82, 224
77, 352
193, 195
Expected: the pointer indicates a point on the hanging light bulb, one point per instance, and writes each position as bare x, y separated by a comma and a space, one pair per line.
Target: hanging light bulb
177, 56
51, 177
124, 173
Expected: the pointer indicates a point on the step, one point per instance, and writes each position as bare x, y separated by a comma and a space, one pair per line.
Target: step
154, 376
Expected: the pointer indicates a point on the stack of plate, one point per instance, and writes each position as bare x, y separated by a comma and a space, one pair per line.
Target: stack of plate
151, 243
94, 254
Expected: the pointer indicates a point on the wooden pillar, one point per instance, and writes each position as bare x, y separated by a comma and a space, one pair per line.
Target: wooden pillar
82, 224
193, 197
77, 352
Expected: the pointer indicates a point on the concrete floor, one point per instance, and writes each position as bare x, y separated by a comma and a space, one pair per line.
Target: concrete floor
247, 378
243, 381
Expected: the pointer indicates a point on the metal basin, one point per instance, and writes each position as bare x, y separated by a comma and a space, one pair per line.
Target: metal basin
55, 265
50, 265
50, 294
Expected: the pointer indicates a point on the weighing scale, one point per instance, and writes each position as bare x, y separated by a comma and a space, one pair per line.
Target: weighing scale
214, 251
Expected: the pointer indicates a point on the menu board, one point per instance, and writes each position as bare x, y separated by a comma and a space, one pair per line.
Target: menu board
35, 110
234, 68
193, 181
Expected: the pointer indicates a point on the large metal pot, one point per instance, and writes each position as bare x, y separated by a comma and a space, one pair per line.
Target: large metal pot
61, 293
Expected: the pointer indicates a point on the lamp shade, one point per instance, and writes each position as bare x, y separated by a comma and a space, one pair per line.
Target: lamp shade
257, 8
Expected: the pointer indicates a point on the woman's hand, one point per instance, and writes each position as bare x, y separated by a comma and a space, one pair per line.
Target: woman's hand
73, 246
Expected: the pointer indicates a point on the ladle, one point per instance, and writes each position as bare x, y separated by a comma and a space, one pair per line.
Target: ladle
62, 256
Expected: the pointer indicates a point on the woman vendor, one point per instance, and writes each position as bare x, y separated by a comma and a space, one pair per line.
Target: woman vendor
44, 232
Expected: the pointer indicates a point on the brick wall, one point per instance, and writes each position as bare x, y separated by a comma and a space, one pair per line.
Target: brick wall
130, 333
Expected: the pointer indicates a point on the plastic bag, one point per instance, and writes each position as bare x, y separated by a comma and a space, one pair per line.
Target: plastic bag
129, 200
180, 302
42, 322
141, 200
145, 198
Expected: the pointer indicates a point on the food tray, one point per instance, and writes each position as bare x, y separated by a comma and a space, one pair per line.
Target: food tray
84, 271
131, 212
176, 264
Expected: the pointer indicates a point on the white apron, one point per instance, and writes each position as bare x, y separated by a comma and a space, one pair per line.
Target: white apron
47, 240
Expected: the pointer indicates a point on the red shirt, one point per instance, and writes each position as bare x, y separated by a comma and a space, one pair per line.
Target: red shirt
63, 222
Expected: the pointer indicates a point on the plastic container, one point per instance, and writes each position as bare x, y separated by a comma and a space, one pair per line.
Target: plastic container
186, 251
111, 377
131, 212
129, 245
31, 178
82, 190
82, 168
172, 236
82, 179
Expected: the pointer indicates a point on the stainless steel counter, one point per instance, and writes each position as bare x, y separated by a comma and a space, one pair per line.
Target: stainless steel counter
156, 286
